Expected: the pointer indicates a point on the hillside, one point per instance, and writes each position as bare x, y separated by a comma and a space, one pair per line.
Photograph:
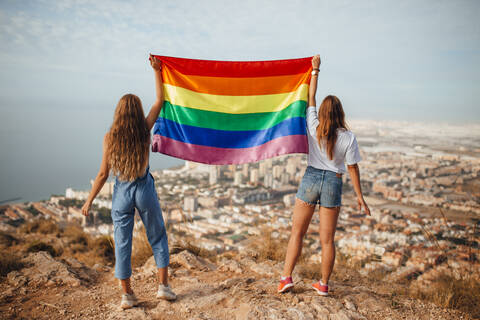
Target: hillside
231, 286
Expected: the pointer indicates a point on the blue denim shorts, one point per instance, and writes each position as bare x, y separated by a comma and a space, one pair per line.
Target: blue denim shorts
321, 187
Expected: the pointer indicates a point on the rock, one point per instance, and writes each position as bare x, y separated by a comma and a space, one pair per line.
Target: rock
368, 304
16, 279
101, 268
404, 273
231, 265
191, 262
340, 315
263, 269
148, 269
44, 270
235, 281
350, 305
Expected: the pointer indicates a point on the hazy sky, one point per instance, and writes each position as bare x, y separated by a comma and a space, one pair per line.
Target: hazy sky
65, 64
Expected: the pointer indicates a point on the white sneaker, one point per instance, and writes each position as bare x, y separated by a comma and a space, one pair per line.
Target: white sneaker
164, 292
128, 301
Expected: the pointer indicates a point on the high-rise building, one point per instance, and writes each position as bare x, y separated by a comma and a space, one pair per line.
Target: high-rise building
269, 163
262, 169
268, 180
254, 176
245, 170
213, 174
277, 171
292, 165
237, 178
190, 204
285, 178
107, 189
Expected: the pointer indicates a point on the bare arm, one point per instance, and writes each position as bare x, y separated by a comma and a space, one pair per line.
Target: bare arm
312, 91
157, 106
354, 172
100, 180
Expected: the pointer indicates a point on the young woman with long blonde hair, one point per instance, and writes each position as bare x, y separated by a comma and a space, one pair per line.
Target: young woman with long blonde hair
125, 154
330, 144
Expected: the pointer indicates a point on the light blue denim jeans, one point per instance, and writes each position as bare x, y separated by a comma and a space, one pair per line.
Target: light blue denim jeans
321, 187
126, 197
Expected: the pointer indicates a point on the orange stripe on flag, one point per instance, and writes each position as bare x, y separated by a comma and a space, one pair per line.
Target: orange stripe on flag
235, 86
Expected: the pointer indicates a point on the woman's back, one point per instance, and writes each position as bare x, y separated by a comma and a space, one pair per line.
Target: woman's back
128, 140
345, 149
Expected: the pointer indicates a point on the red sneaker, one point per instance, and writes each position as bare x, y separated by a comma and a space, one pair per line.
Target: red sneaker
322, 289
285, 285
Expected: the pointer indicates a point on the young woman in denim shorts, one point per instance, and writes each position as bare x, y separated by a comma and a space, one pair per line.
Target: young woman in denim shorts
330, 146
126, 153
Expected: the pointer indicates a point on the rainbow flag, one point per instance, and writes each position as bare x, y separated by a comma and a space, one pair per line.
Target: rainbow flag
225, 112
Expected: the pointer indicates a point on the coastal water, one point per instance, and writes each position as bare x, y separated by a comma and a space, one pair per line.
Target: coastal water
46, 148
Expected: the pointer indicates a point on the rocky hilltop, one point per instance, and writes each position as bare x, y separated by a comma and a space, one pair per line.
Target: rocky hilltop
227, 287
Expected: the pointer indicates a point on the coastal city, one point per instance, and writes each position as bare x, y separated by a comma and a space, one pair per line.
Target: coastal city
424, 195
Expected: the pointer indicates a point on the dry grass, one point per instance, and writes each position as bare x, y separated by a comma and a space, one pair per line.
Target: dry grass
141, 249
88, 249
448, 292
43, 226
75, 235
9, 262
103, 248
312, 271
265, 247
7, 240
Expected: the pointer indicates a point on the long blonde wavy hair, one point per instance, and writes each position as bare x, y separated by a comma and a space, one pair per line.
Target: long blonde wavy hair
128, 139
331, 118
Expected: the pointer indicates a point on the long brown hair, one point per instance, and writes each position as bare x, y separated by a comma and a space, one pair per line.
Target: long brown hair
331, 118
128, 139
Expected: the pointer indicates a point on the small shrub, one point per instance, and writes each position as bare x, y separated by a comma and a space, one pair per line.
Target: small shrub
103, 248
266, 247
33, 211
9, 262
76, 235
37, 246
104, 215
71, 203
43, 226
7, 239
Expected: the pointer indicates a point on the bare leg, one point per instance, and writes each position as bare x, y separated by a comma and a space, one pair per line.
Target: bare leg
328, 225
302, 214
126, 286
162, 276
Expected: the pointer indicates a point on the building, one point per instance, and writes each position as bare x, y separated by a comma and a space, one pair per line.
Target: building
291, 168
107, 189
237, 178
277, 171
262, 169
285, 178
289, 199
245, 170
213, 174
74, 194
268, 181
254, 176
190, 204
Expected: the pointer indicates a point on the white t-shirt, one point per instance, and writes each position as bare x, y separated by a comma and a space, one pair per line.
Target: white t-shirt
345, 150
